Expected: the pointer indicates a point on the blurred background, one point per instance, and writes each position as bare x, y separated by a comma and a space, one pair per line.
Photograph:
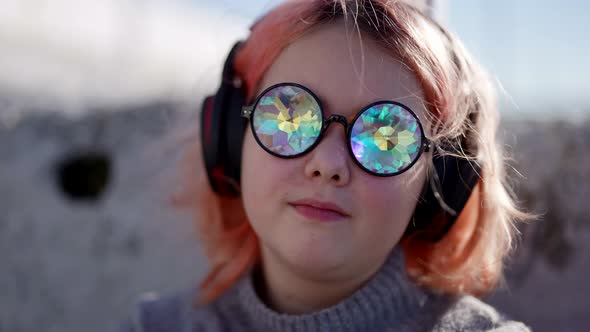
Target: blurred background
98, 100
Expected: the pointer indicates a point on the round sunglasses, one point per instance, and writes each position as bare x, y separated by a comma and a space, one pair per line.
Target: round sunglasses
384, 139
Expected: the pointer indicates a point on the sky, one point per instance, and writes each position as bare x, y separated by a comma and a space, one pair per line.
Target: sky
76, 50
74, 53
537, 50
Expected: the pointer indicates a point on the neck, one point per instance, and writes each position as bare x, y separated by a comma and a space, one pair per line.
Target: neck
288, 292
388, 300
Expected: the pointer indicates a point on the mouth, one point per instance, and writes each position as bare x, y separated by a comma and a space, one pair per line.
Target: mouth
319, 210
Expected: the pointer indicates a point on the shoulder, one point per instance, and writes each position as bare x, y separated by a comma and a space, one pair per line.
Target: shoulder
154, 312
468, 313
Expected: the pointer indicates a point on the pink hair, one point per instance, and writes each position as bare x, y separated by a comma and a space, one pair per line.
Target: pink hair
460, 101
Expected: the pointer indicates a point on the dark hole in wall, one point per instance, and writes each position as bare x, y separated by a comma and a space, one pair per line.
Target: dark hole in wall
84, 176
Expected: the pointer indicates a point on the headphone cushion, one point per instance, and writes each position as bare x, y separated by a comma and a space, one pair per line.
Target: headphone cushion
210, 138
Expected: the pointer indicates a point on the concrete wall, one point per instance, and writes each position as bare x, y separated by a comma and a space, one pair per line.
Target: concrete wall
547, 281
77, 264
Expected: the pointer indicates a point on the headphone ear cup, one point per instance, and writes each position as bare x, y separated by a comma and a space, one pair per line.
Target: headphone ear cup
222, 131
234, 129
444, 195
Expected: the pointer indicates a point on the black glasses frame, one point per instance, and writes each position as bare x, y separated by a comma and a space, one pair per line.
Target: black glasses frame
247, 112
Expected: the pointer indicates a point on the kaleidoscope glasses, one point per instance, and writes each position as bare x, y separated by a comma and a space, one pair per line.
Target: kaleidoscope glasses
385, 138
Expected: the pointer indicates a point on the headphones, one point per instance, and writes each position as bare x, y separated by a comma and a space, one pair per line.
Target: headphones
222, 135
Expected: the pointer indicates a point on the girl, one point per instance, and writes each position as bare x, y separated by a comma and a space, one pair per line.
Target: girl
398, 222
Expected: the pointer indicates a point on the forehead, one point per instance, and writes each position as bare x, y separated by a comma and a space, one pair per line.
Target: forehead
345, 70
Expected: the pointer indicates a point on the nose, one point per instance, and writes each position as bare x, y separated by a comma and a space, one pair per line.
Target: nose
329, 162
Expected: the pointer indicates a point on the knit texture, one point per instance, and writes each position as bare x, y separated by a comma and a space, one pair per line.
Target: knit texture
389, 301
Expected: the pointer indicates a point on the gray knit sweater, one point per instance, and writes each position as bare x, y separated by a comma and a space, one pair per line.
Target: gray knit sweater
387, 302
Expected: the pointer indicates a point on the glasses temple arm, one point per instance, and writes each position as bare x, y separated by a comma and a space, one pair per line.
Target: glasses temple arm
427, 144
247, 111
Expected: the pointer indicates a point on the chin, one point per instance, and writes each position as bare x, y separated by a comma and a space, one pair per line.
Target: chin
316, 259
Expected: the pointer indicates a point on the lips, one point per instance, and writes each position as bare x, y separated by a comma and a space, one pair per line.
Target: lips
319, 210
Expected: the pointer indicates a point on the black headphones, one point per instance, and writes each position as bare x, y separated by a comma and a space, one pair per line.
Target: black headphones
222, 135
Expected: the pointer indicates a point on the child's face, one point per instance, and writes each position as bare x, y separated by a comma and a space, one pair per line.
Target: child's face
378, 209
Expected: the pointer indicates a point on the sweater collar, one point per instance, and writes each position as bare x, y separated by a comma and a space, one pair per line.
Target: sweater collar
388, 296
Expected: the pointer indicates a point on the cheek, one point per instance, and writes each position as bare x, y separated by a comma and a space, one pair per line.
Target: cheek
389, 203
260, 170
264, 180
254, 160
